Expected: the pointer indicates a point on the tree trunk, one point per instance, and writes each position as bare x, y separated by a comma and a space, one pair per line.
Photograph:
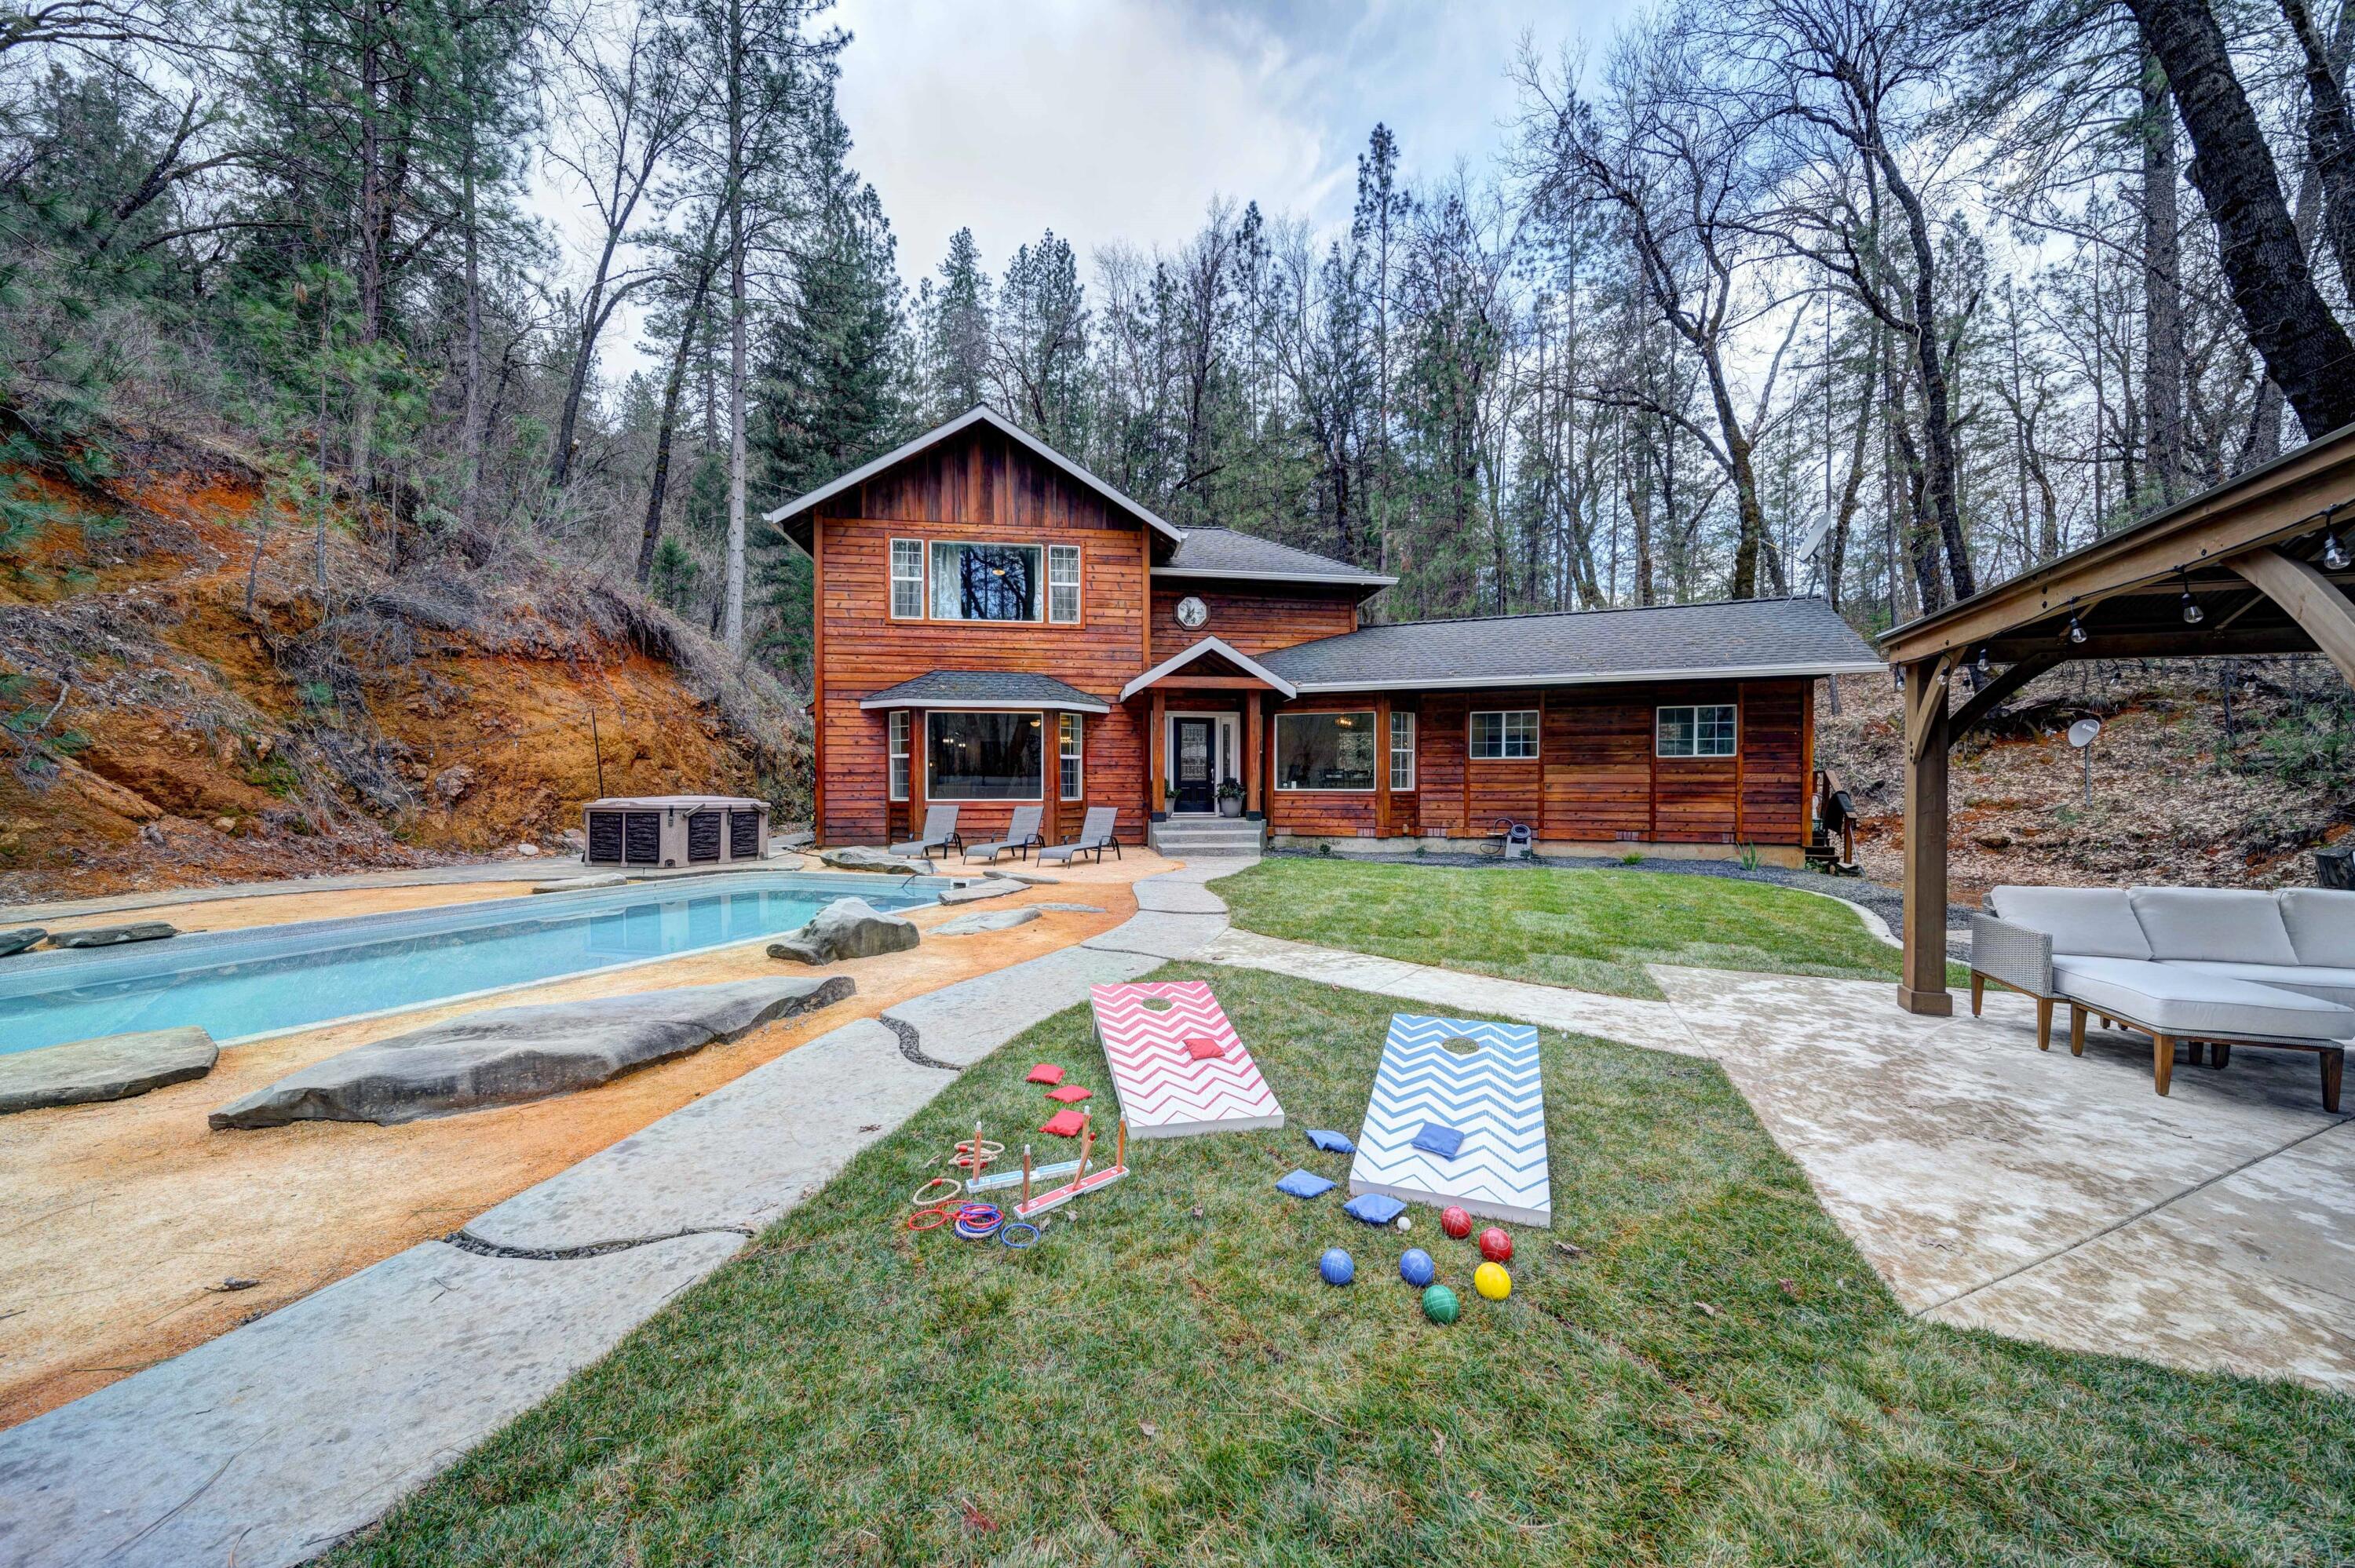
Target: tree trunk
733, 622
2162, 397
2304, 349
1940, 468
470, 496
658, 484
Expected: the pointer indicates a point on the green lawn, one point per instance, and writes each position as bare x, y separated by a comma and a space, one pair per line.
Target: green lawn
1591, 930
1718, 1378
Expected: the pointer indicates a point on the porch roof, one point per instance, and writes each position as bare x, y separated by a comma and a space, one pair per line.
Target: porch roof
985, 689
1251, 669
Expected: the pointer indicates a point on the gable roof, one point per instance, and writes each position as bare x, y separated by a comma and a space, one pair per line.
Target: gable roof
981, 415
985, 689
1215, 646
1743, 639
1224, 552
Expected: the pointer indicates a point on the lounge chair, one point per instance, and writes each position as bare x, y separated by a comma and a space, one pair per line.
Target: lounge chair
1021, 836
1093, 838
2209, 967
940, 833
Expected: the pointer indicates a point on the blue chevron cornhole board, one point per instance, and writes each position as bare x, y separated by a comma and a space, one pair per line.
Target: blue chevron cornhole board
1493, 1095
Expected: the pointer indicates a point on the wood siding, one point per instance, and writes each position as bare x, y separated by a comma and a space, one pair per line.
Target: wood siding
1251, 622
977, 486
1595, 779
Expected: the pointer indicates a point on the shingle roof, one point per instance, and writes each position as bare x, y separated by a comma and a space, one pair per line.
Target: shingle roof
1734, 637
1223, 553
987, 689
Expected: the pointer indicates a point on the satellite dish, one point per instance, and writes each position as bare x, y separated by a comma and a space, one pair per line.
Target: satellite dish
1813, 539
2082, 733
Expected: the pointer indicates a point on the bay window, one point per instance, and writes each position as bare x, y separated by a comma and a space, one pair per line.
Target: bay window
1325, 751
899, 753
984, 755
1071, 776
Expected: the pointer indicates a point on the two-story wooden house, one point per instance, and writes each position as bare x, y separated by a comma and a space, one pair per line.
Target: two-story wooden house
995, 626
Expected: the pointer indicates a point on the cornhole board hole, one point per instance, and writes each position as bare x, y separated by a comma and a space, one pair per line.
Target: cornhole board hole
1167, 1089
1492, 1094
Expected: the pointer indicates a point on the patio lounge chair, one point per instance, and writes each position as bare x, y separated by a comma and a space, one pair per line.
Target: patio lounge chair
940, 833
1093, 838
1021, 836
2211, 966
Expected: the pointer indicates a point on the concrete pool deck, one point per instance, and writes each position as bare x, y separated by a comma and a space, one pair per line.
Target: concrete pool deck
119, 1221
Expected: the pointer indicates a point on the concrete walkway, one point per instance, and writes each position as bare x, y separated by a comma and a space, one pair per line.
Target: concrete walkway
270, 1444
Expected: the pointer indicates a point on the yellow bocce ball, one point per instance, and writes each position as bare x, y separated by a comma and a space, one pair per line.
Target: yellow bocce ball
1491, 1281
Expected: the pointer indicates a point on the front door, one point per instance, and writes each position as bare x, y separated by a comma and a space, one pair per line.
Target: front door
1197, 786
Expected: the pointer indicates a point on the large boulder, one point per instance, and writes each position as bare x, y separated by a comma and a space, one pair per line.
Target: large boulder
845, 928
111, 1067
513, 1055
16, 942
860, 857
110, 936
982, 920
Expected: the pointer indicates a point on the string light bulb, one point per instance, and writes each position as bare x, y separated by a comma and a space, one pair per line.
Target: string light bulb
2193, 614
1982, 665
2076, 627
2334, 554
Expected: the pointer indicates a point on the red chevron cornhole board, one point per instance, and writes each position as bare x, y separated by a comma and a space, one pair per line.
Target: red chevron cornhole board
1165, 1090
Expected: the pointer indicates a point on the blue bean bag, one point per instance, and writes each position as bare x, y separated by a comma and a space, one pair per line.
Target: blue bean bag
1304, 1184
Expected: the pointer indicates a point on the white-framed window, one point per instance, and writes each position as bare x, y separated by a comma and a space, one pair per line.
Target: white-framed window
1325, 751
1706, 729
984, 755
987, 582
1401, 749
1070, 765
1063, 584
1510, 735
907, 579
898, 747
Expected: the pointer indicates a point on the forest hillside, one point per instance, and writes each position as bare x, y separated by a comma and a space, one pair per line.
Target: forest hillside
189, 706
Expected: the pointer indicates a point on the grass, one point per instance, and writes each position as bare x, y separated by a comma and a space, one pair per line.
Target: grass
1593, 930
1164, 1379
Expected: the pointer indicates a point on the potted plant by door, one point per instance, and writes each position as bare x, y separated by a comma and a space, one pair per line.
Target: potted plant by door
1231, 799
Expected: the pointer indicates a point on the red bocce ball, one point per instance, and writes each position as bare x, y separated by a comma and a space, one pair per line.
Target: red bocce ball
1495, 1245
1455, 1223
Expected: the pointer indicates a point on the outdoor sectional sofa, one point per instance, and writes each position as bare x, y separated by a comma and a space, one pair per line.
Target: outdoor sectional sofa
2204, 965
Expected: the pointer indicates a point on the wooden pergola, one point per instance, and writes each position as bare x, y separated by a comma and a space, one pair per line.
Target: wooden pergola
2266, 561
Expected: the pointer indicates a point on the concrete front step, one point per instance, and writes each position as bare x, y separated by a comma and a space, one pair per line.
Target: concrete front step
1208, 835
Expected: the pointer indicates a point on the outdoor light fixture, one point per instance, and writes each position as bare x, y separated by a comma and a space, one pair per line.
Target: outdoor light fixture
2334, 554
2076, 632
1897, 676
2193, 614
1982, 665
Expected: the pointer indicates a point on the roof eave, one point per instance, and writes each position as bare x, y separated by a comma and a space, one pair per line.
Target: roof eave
1808, 671
1212, 645
994, 705
1345, 579
979, 414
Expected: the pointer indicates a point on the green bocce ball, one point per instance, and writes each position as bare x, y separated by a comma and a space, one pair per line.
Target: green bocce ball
1439, 1303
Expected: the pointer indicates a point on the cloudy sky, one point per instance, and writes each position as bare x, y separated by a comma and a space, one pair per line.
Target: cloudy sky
1121, 119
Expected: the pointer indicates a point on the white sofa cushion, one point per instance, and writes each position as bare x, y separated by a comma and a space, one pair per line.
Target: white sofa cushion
2098, 922
2328, 983
2222, 925
2322, 922
2175, 999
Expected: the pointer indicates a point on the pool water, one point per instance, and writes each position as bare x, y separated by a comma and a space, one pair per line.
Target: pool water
239, 984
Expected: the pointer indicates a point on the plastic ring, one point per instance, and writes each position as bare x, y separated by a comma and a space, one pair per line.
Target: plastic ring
937, 1218
1005, 1235
917, 1199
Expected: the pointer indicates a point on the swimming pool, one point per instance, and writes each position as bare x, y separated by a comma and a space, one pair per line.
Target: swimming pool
239, 984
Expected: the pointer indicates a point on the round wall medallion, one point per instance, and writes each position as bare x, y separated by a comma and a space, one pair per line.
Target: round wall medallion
1192, 612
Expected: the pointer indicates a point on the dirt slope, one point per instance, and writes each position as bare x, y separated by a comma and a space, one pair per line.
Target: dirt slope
393, 720
2172, 801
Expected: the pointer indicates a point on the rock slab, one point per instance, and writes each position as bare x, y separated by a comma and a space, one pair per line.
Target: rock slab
112, 936
982, 920
845, 928
860, 857
111, 1067
510, 1055
575, 883
973, 893
16, 942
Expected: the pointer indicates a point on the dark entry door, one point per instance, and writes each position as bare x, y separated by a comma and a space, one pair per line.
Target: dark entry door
1197, 789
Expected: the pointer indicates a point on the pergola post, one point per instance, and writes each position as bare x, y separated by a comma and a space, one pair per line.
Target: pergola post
1924, 988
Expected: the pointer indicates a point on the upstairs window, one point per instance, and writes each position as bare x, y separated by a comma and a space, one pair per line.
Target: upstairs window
1505, 737
986, 582
907, 579
1063, 584
1706, 730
